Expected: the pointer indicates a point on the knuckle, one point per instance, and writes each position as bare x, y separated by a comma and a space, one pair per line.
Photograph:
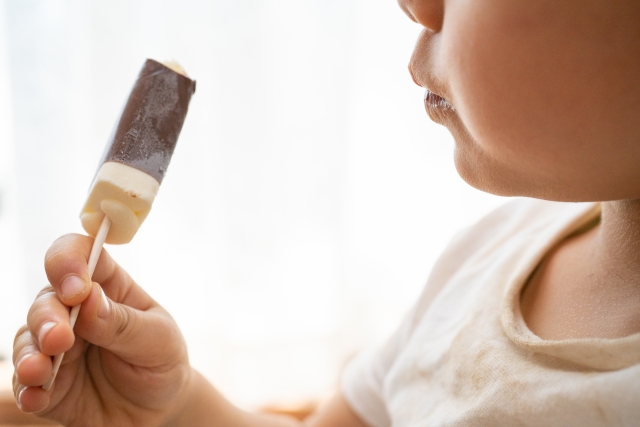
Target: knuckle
125, 324
22, 344
20, 340
23, 329
65, 239
46, 291
58, 245
41, 305
56, 258
66, 250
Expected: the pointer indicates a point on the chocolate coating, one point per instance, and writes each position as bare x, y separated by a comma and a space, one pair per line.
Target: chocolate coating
147, 131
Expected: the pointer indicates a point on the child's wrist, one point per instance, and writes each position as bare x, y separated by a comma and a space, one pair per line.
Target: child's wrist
200, 404
185, 400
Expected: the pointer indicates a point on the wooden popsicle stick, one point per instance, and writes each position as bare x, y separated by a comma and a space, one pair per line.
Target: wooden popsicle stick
93, 260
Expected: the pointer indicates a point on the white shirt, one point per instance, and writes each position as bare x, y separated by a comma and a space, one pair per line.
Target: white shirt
465, 357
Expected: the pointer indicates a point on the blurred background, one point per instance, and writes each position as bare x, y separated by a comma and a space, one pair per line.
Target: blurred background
306, 201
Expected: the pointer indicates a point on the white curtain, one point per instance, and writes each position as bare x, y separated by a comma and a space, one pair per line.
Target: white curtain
306, 201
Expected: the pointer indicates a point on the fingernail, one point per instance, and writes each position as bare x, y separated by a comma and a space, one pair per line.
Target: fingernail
72, 286
105, 307
44, 330
19, 399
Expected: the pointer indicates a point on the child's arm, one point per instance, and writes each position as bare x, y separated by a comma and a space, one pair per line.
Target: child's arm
207, 407
127, 363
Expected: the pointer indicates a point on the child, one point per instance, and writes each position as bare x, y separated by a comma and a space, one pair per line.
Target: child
531, 317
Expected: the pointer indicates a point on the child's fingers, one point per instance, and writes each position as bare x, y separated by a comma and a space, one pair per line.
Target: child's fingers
32, 368
143, 338
48, 323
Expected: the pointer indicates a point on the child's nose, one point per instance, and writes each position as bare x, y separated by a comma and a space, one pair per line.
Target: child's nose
429, 13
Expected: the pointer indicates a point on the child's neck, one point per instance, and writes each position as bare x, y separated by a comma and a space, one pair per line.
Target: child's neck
619, 240
589, 286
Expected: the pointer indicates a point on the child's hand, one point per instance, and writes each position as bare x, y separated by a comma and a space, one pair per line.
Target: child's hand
127, 363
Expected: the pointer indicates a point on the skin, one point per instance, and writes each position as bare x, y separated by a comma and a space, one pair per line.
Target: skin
545, 103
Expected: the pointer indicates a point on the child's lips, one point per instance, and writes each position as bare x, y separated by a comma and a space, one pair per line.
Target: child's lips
438, 108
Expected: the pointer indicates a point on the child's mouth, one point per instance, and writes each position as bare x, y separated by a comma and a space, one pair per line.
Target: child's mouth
437, 107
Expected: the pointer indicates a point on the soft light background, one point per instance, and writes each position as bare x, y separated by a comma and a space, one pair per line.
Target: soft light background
307, 199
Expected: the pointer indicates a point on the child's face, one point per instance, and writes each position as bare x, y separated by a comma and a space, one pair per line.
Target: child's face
545, 93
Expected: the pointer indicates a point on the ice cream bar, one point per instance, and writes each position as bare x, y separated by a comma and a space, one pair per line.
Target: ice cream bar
139, 150
134, 163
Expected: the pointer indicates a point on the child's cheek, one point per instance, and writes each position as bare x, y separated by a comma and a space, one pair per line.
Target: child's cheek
491, 86
545, 94
500, 81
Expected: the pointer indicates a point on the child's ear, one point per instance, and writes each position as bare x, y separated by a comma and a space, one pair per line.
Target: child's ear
428, 13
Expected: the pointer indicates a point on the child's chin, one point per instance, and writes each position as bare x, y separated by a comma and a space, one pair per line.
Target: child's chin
476, 168
504, 178
481, 177
486, 174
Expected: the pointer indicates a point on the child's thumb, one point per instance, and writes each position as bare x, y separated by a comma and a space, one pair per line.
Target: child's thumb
131, 334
